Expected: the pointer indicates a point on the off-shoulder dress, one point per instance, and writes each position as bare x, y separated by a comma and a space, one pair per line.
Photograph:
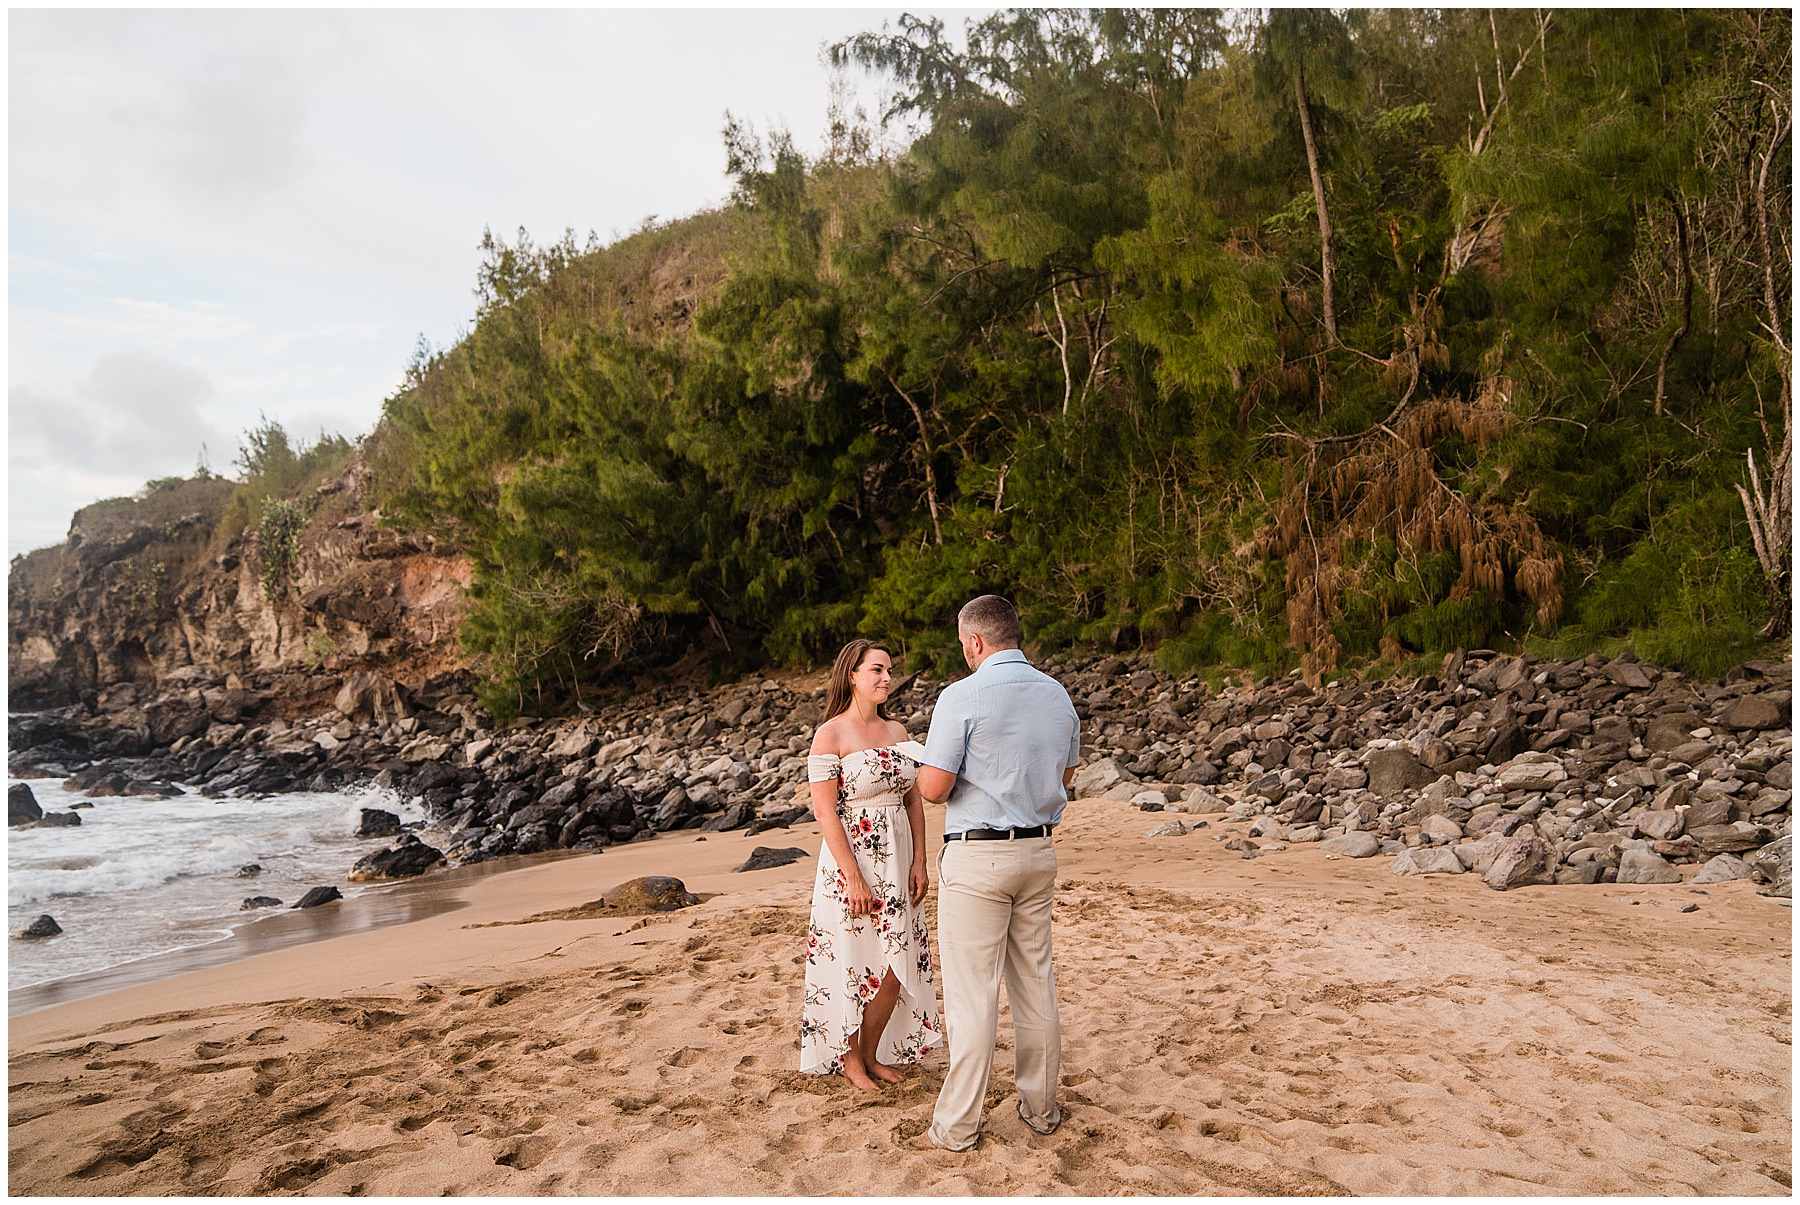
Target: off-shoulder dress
848, 955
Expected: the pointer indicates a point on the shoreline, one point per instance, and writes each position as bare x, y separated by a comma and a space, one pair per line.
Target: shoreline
378, 905
480, 898
1283, 1025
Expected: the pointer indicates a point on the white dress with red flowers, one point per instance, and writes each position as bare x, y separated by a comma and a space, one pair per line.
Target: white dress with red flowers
848, 955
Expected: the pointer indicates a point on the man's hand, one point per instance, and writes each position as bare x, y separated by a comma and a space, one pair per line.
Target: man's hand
935, 784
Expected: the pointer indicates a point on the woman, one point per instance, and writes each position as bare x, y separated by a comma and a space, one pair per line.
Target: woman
869, 991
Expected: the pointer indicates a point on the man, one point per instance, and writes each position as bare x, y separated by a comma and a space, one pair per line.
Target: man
1004, 744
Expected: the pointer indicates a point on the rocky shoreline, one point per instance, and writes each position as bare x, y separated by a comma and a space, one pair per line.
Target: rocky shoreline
1525, 772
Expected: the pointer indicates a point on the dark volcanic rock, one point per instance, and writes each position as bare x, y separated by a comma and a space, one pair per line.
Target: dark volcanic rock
735, 816
764, 858
249, 870
61, 819
259, 901
377, 823
319, 895
43, 926
21, 805
763, 824
410, 857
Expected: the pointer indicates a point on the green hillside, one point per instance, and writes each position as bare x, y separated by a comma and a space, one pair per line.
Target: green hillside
1093, 342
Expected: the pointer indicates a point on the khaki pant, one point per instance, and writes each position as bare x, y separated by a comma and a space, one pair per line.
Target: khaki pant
994, 900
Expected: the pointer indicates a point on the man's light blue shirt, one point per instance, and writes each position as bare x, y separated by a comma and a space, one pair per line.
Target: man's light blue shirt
1007, 731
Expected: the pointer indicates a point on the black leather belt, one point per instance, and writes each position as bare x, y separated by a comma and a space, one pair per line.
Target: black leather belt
999, 834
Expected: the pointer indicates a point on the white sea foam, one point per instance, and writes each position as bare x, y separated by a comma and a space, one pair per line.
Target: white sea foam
141, 876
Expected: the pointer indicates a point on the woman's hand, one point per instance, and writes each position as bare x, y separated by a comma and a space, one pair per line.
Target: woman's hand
858, 901
917, 881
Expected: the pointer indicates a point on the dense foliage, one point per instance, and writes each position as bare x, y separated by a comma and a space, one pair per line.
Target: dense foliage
1313, 339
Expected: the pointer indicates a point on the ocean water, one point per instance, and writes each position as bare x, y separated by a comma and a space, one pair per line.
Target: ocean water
142, 877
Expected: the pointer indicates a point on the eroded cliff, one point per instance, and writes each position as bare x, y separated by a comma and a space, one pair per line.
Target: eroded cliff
147, 588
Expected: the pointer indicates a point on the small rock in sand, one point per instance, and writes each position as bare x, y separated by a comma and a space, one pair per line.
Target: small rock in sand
764, 858
319, 895
43, 926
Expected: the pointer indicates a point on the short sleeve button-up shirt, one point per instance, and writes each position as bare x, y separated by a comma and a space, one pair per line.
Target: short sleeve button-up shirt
1007, 731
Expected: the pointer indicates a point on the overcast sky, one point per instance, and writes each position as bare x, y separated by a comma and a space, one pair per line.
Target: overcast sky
219, 214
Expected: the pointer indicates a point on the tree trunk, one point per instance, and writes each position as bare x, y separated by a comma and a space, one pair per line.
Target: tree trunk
1318, 186
1687, 302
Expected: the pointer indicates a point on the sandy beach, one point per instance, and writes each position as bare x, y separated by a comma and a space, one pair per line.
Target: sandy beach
1288, 1025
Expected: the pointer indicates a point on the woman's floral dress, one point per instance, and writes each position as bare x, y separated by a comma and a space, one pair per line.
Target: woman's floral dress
847, 956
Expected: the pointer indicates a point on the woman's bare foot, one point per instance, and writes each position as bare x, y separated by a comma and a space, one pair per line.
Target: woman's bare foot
856, 1073
883, 1072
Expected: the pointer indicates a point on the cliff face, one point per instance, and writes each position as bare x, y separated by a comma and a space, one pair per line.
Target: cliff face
147, 588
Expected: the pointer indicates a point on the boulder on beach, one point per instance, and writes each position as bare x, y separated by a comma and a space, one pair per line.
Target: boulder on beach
763, 824
1429, 859
249, 870
61, 820
410, 857
764, 858
1724, 868
378, 823
1774, 865
1096, 778
1521, 860
43, 926
1396, 771
319, 895
259, 901
22, 806
1643, 866
1353, 845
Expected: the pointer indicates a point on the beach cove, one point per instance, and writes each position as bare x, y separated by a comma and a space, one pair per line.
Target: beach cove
1290, 1024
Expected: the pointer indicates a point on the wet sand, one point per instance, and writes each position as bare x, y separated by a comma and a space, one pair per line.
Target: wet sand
389, 904
1288, 1025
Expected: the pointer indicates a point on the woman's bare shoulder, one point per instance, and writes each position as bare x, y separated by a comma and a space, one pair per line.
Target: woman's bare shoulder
898, 731
829, 739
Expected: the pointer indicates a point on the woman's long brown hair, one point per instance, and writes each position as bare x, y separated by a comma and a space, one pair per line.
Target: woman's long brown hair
849, 660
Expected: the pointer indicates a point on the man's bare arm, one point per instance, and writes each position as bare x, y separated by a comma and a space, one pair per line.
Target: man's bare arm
935, 784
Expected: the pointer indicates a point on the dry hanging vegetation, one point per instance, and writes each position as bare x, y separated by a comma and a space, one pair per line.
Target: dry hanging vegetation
1388, 481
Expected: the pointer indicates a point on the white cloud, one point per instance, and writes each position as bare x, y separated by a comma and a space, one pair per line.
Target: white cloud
134, 413
267, 207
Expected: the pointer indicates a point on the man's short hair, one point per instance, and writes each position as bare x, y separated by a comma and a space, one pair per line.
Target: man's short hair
993, 619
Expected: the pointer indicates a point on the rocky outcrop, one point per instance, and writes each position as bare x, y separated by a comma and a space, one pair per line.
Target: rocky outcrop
44, 926
408, 858
146, 592
22, 806
317, 896
378, 823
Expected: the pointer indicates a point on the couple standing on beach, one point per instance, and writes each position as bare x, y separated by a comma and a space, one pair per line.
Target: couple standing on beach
1003, 745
